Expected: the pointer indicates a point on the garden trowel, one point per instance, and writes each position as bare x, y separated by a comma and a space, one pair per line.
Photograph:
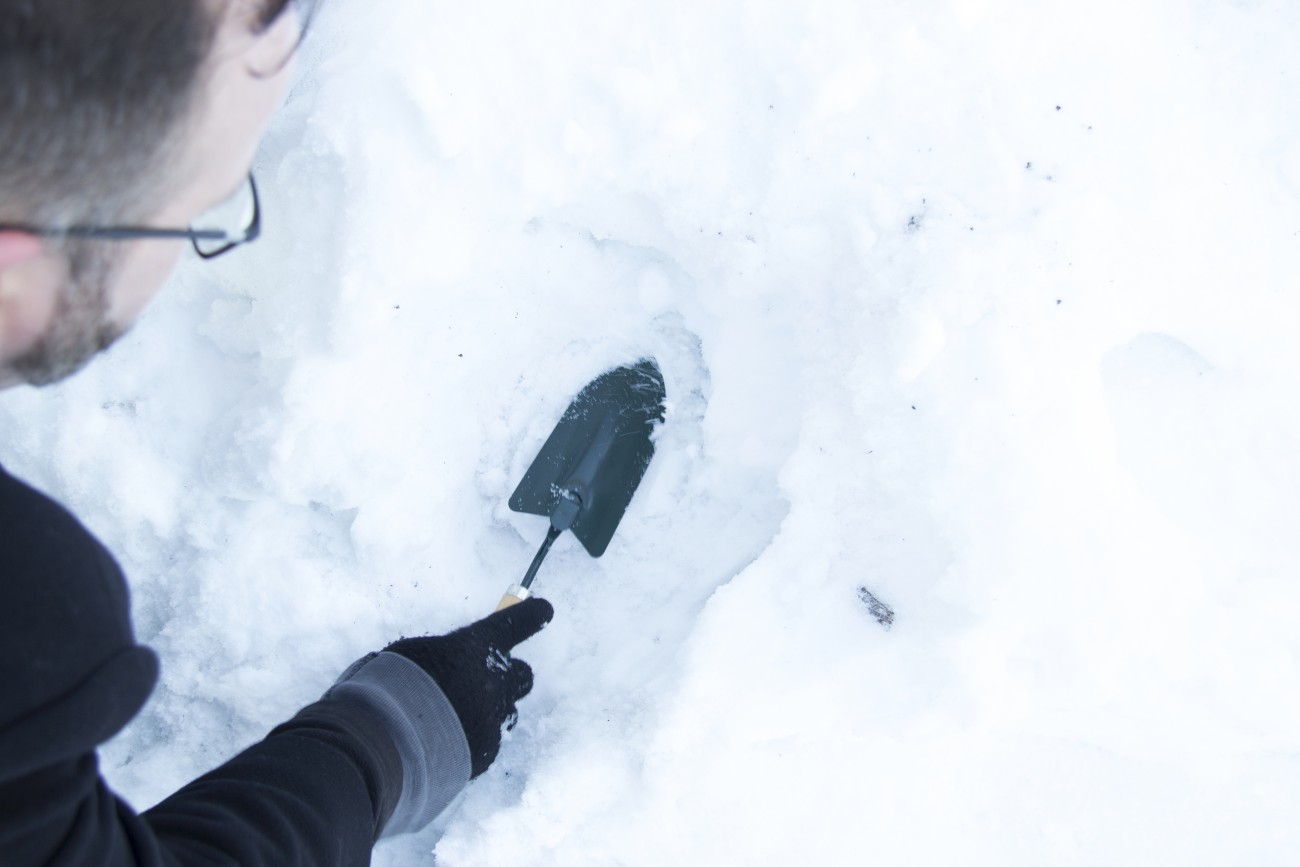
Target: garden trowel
591, 464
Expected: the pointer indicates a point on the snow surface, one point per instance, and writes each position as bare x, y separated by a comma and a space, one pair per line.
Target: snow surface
986, 306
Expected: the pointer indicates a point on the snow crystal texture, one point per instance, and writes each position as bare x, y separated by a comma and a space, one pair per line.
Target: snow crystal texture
985, 307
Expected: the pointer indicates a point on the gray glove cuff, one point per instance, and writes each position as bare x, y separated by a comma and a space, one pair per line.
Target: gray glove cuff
425, 729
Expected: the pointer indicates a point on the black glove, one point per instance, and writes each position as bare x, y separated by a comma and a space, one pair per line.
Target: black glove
474, 668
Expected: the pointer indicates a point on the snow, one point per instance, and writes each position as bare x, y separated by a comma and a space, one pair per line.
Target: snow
985, 306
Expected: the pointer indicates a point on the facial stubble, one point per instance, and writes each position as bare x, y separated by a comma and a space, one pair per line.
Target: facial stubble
80, 327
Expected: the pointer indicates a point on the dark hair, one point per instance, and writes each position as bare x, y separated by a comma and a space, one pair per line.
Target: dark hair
91, 95
92, 92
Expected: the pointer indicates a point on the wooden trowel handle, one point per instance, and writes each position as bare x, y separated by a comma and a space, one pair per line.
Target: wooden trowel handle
519, 592
515, 594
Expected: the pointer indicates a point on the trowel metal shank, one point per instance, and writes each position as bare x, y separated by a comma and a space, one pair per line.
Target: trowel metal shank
585, 474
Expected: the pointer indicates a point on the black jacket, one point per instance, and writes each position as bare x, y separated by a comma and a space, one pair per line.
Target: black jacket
319, 790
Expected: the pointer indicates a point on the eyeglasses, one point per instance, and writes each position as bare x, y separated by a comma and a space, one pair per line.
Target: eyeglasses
236, 221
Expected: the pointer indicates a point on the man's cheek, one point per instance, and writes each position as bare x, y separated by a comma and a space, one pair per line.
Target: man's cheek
32, 291
139, 276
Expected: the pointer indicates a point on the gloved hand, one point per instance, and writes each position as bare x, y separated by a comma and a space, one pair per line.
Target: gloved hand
476, 672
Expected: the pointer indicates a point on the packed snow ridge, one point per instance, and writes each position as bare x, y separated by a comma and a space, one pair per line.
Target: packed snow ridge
979, 312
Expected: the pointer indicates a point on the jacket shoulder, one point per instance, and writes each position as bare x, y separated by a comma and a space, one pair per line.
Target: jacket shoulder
64, 607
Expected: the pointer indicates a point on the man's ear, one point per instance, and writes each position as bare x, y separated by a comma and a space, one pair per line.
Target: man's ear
17, 247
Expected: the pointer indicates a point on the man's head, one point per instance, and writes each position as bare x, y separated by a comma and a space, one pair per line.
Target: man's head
136, 112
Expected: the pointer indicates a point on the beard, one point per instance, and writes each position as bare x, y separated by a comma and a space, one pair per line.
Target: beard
80, 327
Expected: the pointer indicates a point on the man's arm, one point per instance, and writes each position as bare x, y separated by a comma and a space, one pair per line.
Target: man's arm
315, 791
382, 748
384, 752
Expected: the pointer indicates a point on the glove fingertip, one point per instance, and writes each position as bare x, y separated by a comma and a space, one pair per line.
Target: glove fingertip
518, 623
529, 618
546, 612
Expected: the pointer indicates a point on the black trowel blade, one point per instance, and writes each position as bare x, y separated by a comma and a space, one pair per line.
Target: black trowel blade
596, 455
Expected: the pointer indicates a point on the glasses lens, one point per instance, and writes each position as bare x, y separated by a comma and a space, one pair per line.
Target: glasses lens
230, 222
